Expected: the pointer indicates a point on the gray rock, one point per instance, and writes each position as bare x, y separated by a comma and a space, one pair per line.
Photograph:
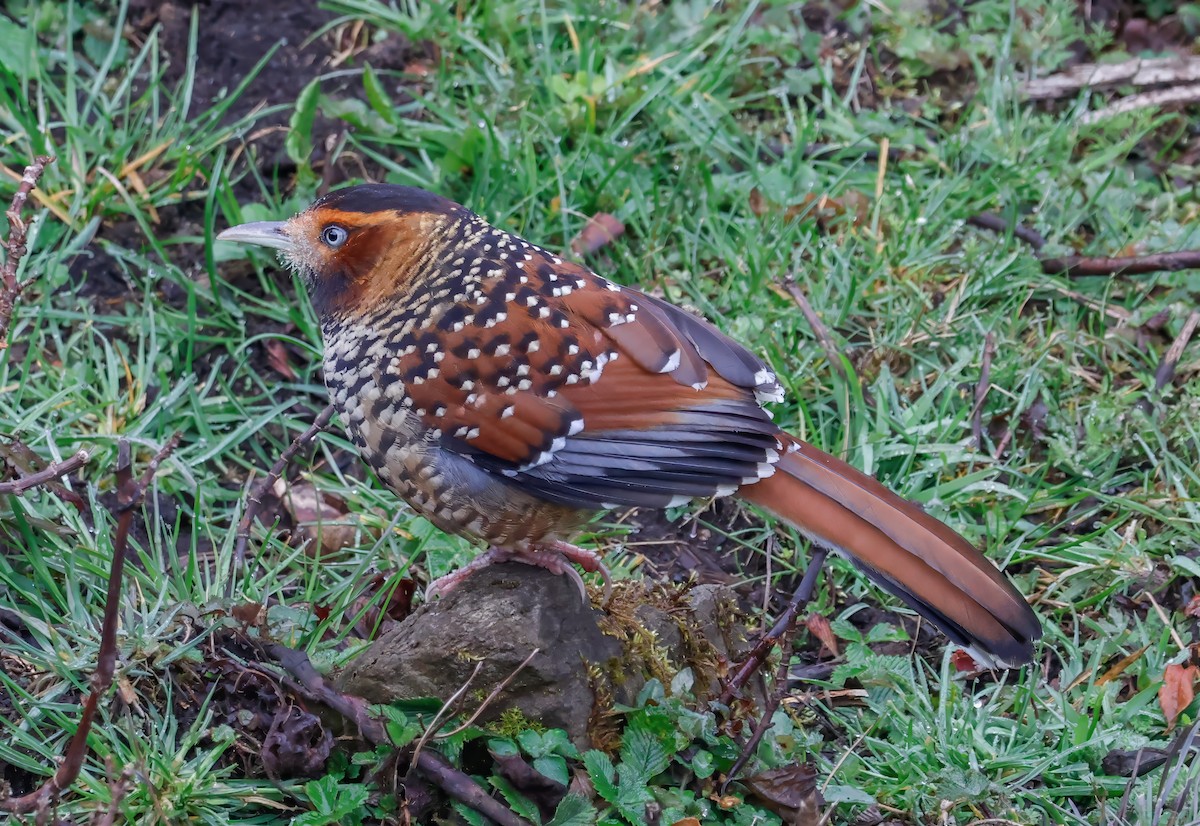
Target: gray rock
588, 658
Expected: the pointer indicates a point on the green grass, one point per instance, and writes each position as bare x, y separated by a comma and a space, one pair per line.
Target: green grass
668, 116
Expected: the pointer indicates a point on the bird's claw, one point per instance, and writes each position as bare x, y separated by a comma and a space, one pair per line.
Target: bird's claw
555, 556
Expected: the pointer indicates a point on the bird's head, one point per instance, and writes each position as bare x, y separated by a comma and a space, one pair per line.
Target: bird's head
355, 246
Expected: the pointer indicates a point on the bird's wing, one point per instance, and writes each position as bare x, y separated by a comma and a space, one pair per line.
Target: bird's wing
589, 394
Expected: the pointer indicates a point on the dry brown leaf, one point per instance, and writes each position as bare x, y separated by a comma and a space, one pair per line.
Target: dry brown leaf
277, 357
1177, 691
1193, 607
321, 521
600, 231
820, 628
789, 791
1121, 665
687, 821
851, 208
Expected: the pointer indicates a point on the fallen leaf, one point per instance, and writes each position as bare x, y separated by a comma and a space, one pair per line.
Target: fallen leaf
296, 746
851, 208
963, 661
1121, 665
1193, 607
277, 357
687, 821
820, 628
600, 231
789, 791
321, 521
1177, 691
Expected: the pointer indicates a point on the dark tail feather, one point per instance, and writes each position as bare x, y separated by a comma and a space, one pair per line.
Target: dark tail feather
902, 549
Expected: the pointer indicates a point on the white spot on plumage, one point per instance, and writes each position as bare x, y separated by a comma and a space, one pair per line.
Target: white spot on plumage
672, 362
508, 411
544, 312
502, 349
524, 384
534, 346
473, 353
576, 427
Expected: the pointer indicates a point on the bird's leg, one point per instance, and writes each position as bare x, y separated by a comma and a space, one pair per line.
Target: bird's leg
554, 555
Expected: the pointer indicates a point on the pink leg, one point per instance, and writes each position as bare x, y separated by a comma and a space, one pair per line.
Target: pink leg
555, 556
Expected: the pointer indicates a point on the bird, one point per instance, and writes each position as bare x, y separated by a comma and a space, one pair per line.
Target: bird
508, 394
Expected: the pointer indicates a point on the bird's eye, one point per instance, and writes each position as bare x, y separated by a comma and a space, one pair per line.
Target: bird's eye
334, 236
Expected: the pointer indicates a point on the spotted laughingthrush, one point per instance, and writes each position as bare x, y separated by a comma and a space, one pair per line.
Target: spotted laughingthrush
507, 393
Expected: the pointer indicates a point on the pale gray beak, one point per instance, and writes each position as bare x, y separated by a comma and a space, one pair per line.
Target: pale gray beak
259, 233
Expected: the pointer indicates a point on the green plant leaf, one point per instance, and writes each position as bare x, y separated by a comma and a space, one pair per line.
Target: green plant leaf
574, 810
602, 773
298, 143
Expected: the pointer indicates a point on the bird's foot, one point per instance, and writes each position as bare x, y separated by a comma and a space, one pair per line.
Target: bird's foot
555, 556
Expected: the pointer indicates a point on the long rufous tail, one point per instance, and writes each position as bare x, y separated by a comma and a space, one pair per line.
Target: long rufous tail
902, 549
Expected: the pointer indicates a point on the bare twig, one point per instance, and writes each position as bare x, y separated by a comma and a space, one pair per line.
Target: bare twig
453, 782
1166, 369
981, 389
52, 471
441, 714
495, 692
1137, 72
1077, 265
762, 649
1159, 97
255, 501
1081, 265
14, 246
993, 222
130, 492
819, 329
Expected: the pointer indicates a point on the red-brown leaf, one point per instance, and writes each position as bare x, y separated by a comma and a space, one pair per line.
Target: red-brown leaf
963, 661
601, 230
819, 627
1177, 691
277, 357
1193, 607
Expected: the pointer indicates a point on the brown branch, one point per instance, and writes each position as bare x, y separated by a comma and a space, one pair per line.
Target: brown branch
981, 389
1079, 265
819, 329
14, 246
453, 782
762, 649
992, 221
1074, 266
52, 471
781, 633
130, 492
1166, 369
255, 501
